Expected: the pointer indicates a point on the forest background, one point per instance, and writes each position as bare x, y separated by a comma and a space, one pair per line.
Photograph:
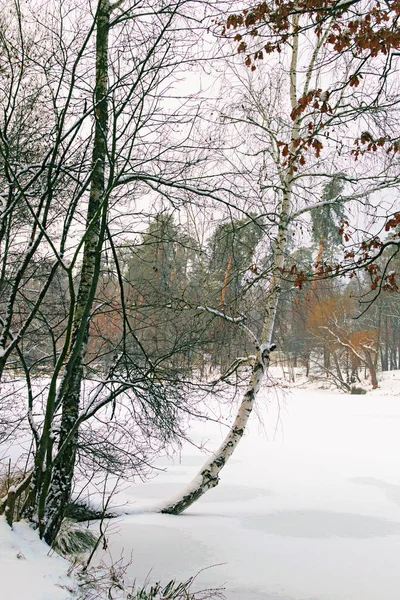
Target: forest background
158, 243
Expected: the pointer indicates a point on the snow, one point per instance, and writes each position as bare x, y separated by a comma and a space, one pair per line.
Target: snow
27, 570
308, 507
389, 383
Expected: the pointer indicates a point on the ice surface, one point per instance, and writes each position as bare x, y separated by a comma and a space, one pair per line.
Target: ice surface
308, 509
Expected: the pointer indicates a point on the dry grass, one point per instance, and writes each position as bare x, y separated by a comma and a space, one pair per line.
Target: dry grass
11, 477
109, 582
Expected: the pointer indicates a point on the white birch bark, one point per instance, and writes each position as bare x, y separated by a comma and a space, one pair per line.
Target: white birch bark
208, 476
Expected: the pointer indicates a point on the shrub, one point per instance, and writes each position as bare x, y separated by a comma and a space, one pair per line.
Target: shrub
79, 511
73, 539
357, 390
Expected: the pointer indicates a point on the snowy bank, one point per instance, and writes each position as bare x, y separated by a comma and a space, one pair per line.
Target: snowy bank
307, 509
28, 571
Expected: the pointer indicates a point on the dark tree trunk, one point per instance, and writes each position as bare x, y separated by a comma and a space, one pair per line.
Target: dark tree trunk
55, 494
371, 369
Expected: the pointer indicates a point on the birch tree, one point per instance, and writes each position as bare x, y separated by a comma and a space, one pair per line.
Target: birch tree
208, 477
304, 115
107, 133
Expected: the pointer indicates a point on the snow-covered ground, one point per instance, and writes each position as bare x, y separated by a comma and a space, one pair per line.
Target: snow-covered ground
27, 570
307, 509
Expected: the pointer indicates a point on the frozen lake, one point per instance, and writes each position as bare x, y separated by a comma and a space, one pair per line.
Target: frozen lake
307, 509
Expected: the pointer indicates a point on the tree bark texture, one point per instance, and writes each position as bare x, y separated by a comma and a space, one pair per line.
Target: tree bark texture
55, 490
208, 476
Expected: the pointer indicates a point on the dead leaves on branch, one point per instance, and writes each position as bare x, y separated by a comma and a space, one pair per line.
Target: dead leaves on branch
364, 256
366, 31
294, 153
371, 31
374, 31
393, 223
317, 100
368, 143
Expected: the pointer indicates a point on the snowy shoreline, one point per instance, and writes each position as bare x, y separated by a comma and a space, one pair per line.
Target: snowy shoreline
308, 508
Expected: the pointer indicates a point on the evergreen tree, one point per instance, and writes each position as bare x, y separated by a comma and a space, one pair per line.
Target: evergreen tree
326, 220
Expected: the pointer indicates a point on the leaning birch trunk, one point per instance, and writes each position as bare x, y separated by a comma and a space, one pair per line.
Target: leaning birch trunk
208, 476
56, 488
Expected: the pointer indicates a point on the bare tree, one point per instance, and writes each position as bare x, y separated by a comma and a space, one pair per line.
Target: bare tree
296, 125
107, 134
105, 128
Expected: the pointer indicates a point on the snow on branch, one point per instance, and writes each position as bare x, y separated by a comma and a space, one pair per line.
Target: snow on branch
222, 315
237, 320
233, 367
305, 209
